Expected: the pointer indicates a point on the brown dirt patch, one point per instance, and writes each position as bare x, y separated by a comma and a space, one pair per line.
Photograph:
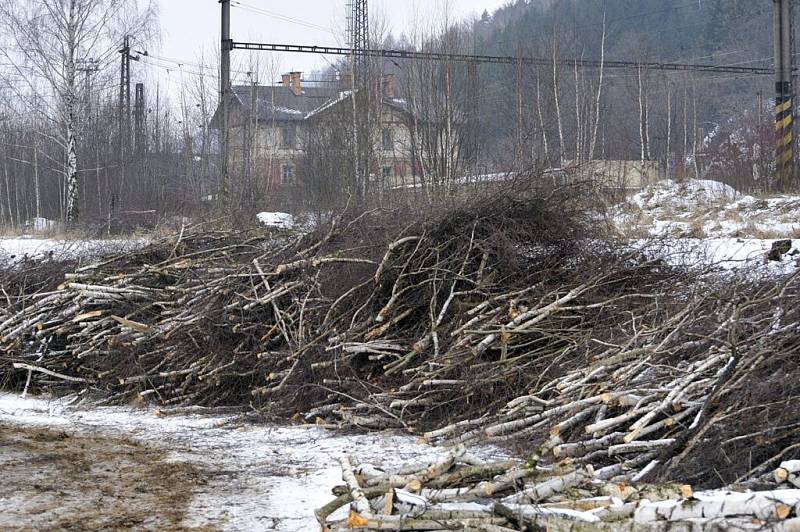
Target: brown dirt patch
60, 480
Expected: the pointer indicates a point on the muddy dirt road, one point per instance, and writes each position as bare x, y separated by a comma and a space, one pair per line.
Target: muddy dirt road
61, 479
123, 469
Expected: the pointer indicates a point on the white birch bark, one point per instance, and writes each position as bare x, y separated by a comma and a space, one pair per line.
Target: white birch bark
685, 128
71, 170
558, 106
641, 116
762, 505
694, 122
669, 130
578, 122
647, 123
593, 141
541, 118
360, 502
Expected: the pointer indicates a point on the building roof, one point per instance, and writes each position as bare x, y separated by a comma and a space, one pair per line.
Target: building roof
279, 102
398, 104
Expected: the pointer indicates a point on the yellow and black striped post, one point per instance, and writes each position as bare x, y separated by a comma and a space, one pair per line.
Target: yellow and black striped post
784, 136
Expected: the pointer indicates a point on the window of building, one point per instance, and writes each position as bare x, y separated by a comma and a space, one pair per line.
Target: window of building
386, 139
289, 137
387, 171
287, 174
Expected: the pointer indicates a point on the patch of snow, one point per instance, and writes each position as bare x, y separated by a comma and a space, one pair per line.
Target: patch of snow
279, 220
686, 195
330, 103
723, 227
705, 208
18, 249
261, 477
668, 227
287, 110
735, 255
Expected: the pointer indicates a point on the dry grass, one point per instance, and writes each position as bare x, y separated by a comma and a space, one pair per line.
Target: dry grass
57, 480
696, 228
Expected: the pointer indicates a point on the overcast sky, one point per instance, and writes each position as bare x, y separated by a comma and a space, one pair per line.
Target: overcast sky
191, 25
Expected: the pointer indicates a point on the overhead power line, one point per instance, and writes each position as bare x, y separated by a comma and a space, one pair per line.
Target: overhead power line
507, 60
278, 16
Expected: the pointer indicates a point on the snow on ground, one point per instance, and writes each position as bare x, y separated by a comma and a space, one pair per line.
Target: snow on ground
704, 208
279, 220
735, 255
708, 223
261, 477
20, 248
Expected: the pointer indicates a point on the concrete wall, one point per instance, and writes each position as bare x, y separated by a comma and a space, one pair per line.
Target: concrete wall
614, 173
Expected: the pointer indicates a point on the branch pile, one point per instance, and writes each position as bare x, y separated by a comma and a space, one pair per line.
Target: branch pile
508, 320
463, 492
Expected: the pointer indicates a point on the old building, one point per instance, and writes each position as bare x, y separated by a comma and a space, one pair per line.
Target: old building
270, 126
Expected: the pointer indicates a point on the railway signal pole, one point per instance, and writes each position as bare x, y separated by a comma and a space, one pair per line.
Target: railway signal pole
784, 105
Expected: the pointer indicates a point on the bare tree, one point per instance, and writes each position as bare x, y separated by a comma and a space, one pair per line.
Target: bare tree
50, 40
593, 141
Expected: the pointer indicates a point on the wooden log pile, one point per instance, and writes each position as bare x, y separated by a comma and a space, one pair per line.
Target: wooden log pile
463, 492
670, 392
510, 321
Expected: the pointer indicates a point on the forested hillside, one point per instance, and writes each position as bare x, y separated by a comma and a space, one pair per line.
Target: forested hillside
674, 30
720, 32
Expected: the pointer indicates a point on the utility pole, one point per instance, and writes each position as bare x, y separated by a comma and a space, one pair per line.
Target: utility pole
138, 120
358, 32
124, 110
224, 96
784, 106
124, 115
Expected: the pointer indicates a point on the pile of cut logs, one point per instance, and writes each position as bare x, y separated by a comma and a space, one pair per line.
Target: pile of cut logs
463, 492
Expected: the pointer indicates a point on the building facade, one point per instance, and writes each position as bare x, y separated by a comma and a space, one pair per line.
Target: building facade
270, 127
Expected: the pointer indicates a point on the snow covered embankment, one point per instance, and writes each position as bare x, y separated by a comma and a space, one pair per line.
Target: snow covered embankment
708, 223
14, 250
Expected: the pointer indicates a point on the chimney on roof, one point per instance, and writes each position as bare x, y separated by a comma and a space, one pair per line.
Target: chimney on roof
297, 87
389, 86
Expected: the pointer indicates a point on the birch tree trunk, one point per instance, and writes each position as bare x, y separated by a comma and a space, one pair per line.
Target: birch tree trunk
647, 124
641, 116
669, 131
71, 170
11, 218
593, 141
37, 191
558, 106
685, 128
578, 124
541, 118
695, 133
519, 134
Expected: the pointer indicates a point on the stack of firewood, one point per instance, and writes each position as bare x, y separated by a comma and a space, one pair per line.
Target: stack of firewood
463, 492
